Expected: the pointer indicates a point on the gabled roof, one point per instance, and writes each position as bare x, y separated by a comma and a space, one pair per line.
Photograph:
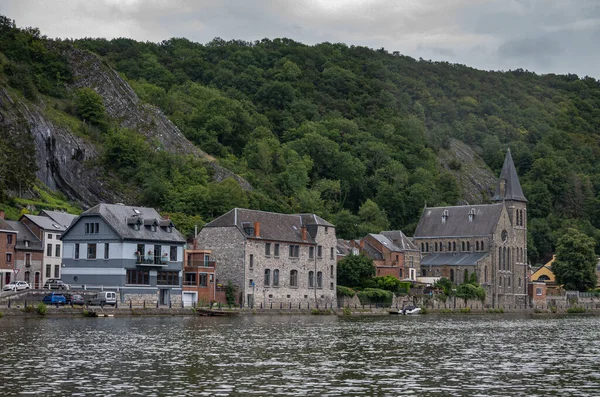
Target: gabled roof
62, 218
120, 217
512, 187
345, 247
24, 234
400, 240
372, 252
46, 223
465, 259
5, 225
484, 221
273, 226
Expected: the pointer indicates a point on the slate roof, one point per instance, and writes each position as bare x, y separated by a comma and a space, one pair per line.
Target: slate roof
118, 217
46, 223
465, 259
5, 225
485, 220
25, 234
344, 247
62, 218
400, 240
273, 226
512, 190
372, 252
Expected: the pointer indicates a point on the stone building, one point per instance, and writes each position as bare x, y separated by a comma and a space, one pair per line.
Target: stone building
274, 258
488, 240
29, 254
393, 254
8, 240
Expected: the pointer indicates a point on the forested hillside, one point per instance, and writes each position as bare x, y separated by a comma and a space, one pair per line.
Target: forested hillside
350, 133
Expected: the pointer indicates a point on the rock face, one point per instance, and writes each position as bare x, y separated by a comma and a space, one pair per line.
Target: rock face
476, 181
66, 162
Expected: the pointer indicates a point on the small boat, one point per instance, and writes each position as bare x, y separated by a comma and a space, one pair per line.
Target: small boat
407, 310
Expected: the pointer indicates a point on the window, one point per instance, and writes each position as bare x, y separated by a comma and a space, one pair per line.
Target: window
251, 261
508, 260
331, 286
77, 251
519, 282
326, 230
426, 247
449, 246
167, 278
481, 246
400, 273
49, 237
27, 260
319, 251
476, 245
8, 257
500, 281
276, 278
538, 290
91, 251
468, 246
56, 271
331, 271
452, 275
48, 271
173, 253
57, 251
454, 246
26, 243
294, 251
462, 245
267, 249
422, 247
106, 250
423, 272
9, 238
294, 278
49, 250
331, 253
276, 251
251, 283
508, 282
436, 247
485, 274
27, 276
311, 252
138, 277
58, 236
92, 228
190, 279
311, 279
204, 280
267, 277
319, 279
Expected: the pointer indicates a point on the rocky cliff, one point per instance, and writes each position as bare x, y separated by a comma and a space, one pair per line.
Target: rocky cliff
67, 161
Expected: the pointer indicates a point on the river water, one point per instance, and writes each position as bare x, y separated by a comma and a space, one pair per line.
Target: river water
427, 355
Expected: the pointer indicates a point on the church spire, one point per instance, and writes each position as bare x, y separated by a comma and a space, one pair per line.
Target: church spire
508, 187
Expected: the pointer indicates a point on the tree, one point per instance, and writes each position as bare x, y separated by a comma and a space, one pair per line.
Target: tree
90, 107
353, 270
575, 263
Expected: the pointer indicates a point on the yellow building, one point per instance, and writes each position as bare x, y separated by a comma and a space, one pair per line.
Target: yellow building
545, 274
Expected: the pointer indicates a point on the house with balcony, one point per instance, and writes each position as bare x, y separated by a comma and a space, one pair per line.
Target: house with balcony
132, 250
29, 254
273, 258
199, 278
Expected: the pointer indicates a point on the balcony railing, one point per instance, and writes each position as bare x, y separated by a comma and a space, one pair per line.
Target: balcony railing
151, 260
200, 263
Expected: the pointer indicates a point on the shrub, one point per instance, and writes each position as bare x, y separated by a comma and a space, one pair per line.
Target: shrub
576, 309
464, 310
230, 293
1, 314
375, 295
347, 311
553, 309
470, 291
27, 309
42, 309
424, 310
345, 291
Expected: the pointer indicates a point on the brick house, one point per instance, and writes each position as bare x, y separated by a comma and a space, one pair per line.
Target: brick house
129, 249
346, 247
488, 240
29, 254
199, 281
8, 240
274, 258
393, 254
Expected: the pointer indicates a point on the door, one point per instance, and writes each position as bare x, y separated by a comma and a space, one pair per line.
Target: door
250, 300
164, 296
37, 280
6, 278
189, 298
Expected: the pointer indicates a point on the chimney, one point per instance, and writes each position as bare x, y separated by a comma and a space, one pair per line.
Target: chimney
1, 214
166, 216
256, 229
303, 231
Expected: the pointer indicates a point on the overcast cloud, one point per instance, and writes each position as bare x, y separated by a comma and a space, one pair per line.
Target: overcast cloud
545, 36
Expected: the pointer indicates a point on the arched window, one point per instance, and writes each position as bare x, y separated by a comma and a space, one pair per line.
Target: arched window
499, 258
504, 258
508, 282
462, 245
276, 278
294, 278
485, 274
508, 258
426, 247
436, 247
468, 246
466, 276
423, 272
476, 245
500, 281
319, 279
441, 247
454, 246
481, 246
422, 247
452, 275
267, 277
311, 279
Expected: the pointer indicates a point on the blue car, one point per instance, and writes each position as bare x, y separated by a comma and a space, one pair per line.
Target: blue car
54, 299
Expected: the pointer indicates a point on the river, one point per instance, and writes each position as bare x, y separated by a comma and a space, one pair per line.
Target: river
427, 355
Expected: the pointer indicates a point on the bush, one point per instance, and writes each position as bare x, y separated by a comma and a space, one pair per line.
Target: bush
345, 291
347, 311
576, 309
1, 314
27, 309
375, 295
470, 291
42, 309
230, 294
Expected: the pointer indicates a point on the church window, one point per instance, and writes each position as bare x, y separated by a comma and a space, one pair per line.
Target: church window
468, 246
454, 246
508, 282
485, 274
508, 260
476, 245
504, 258
422, 247
426, 247
424, 272
481, 246
449, 246
462, 245
499, 258
504, 236
436, 247
466, 277
452, 275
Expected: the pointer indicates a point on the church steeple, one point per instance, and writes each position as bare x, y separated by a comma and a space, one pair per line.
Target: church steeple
509, 187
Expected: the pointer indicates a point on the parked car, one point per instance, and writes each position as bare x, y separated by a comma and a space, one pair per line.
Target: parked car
54, 298
103, 298
16, 286
74, 299
53, 283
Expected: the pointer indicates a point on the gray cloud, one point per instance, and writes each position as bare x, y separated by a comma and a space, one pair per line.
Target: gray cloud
547, 37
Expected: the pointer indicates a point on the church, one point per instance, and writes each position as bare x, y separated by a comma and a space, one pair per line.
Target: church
487, 240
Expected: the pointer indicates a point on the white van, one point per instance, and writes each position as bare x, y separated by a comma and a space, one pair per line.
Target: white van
103, 298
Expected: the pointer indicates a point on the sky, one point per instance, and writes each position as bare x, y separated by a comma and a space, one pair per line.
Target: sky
544, 36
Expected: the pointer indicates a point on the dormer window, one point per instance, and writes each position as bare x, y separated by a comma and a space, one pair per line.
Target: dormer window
471, 214
444, 216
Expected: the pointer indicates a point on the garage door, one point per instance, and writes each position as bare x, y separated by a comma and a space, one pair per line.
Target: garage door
189, 298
